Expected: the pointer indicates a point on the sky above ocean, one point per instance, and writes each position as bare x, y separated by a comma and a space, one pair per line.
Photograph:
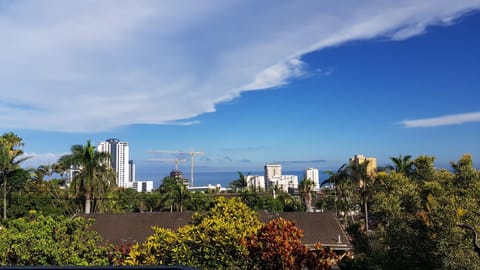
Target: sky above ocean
305, 84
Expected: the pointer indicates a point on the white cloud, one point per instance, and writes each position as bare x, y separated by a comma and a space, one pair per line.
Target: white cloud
95, 65
37, 159
446, 120
277, 75
183, 123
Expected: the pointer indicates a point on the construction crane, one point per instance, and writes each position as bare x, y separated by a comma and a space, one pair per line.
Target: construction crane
176, 160
190, 153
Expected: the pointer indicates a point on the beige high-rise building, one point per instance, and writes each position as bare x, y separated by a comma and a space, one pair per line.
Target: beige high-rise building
371, 165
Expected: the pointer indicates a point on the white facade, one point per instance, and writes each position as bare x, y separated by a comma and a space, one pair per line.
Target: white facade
208, 188
119, 152
273, 170
256, 181
284, 182
143, 186
312, 174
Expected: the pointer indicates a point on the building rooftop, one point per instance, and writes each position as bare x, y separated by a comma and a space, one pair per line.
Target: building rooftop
136, 227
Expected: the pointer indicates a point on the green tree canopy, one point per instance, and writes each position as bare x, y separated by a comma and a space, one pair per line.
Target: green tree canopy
96, 177
49, 241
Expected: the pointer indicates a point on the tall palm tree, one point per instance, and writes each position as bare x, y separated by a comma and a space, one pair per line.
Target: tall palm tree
335, 179
11, 155
344, 191
359, 173
403, 164
306, 189
95, 177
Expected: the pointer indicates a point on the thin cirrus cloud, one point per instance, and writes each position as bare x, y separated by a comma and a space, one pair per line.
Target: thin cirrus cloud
71, 65
446, 120
36, 159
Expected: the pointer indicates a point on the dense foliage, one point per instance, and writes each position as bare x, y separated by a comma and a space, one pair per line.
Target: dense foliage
212, 241
276, 245
230, 236
415, 211
40, 240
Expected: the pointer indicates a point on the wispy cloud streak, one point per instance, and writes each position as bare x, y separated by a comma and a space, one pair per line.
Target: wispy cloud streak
446, 120
81, 63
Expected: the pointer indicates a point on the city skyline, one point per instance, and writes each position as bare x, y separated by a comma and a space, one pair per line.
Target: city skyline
305, 85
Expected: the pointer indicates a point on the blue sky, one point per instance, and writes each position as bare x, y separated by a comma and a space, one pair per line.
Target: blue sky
308, 84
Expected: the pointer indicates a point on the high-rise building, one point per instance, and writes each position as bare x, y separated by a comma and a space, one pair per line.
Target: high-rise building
131, 171
178, 175
371, 169
275, 178
273, 170
119, 152
312, 174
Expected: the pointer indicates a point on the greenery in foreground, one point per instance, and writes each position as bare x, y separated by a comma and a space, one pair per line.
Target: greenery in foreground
414, 211
230, 236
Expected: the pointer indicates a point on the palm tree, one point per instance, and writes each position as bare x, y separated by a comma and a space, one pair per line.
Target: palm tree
95, 177
403, 164
336, 178
10, 159
241, 183
306, 188
42, 171
173, 193
359, 173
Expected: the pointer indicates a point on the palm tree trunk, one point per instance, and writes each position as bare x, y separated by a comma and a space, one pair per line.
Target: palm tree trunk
366, 206
88, 204
308, 202
4, 197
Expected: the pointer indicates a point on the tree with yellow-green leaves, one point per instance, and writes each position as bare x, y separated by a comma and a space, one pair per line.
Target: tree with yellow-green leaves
211, 241
418, 216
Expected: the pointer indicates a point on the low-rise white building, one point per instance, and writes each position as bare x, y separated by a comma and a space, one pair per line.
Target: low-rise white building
209, 188
284, 182
143, 186
256, 182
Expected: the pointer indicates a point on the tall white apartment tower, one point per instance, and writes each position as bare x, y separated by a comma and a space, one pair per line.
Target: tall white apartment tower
120, 157
312, 174
273, 171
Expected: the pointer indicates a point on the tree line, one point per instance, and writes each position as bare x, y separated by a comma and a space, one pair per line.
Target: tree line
47, 188
408, 215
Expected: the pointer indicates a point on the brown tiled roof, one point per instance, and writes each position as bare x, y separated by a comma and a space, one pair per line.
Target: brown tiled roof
317, 227
136, 227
